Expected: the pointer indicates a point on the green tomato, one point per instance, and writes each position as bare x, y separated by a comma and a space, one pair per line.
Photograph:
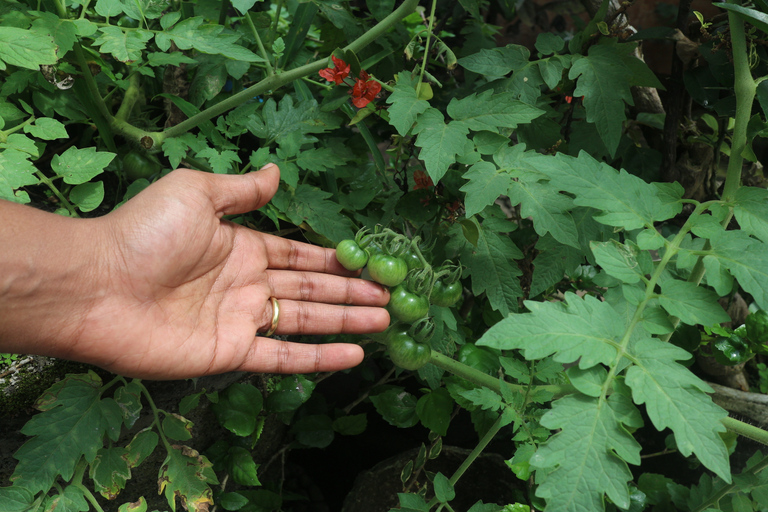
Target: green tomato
387, 270
412, 260
407, 353
407, 306
350, 255
757, 326
445, 295
138, 165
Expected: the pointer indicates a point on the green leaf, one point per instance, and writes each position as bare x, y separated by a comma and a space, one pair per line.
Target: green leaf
238, 408
320, 159
350, 425
25, 48
221, 161
109, 8
242, 467
439, 142
71, 500
751, 210
177, 427
406, 105
496, 62
128, 398
588, 455
187, 473
747, 259
675, 398
444, 491
87, 196
243, 5
548, 207
553, 261
109, 471
314, 431
396, 406
625, 200
548, 43
752, 16
73, 424
193, 33
605, 76
691, 303
488, 111
311, 205
434, 410
483, 398
141, 446
277, 121
47, 129
78, 166
123, 46
485, 183
18, 499
16, 171
618, 260
493, 271
586, 330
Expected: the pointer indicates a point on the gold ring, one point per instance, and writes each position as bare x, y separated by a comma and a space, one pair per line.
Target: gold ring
275, 317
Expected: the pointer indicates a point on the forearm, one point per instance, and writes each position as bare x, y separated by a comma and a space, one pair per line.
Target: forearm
48, 272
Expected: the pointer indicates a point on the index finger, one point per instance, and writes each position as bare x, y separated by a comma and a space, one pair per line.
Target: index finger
284, 254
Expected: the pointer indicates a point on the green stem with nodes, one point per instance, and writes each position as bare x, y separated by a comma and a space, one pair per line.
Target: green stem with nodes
262, 50
746, 430
43, 178
5, 133
130, 97
474, 454
276, 81
273, 29
494, 384
729, 488
155, 413
429, 39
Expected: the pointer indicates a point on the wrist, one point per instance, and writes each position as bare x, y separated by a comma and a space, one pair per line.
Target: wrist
48, 281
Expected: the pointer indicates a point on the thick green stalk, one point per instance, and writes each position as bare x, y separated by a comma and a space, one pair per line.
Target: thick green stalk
426, 45
262, 50
274, 82
483, 379
131, 96
746, 430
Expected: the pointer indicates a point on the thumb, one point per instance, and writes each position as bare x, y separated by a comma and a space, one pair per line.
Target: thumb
232, 194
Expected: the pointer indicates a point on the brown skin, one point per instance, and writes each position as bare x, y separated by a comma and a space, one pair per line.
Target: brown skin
163, 288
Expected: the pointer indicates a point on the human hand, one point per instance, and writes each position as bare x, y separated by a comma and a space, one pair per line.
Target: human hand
183, 293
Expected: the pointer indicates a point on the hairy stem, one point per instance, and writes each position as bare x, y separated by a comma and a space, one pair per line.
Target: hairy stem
262, 50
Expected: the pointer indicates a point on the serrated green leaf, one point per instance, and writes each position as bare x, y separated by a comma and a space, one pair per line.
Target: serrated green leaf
588, 455
16, 171
625, 200
675, 398
751, 210
434, 410
548, 208
493, 270
73, 424
483, 398
187, 473
238, 408
618, 260
496, 62
47, 129
439, 142
280, 120
141, 446
586, 330
26, 48
489, 111
78, 166
406, 105
320, 159
109, 471
71, 500
691, 303
221, 161
553, 261
747, 259
109, 8
311, 205
18, 499
485, 183
193, 33
243, 468
589, 381
397, 407
548, 43
604, 78
123, 46
177, 427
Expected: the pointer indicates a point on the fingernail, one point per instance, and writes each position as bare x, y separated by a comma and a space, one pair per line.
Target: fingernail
266, 165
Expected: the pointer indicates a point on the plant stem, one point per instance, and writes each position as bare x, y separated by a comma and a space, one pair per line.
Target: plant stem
429, 37
42, 177
155, 413
276, 81
130, 97
483, 379
727, 489
746, 430
273, 29
262, 50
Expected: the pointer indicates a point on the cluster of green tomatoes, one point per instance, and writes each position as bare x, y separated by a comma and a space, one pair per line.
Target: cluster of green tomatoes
396, 261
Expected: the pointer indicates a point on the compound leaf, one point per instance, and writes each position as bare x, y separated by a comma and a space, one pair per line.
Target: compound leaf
547, 207
751, 210
485, 183
188, 475
488, 111
26, 48
677, 399
110, 470
406, 105
747, 259
439, 142
192, 33
123, 46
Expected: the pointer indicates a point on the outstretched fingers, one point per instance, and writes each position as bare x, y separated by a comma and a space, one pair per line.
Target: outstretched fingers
298, 317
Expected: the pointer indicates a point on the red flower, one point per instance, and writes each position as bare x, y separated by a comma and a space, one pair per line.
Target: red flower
365, 90
338, 73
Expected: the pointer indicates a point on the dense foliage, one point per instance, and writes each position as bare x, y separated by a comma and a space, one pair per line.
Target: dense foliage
593, 233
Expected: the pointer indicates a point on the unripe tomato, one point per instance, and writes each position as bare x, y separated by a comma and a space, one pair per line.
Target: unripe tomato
445, 295
407, 353
407, 306
138, 165
412, 260
387, 270
350, 255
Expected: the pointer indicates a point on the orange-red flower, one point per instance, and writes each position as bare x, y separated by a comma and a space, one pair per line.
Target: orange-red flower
337, 73
364, 90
